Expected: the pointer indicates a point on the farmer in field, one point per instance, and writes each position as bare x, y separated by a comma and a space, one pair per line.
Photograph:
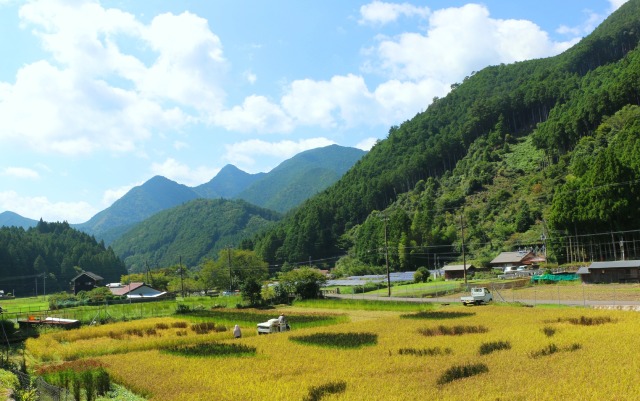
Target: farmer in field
236, 332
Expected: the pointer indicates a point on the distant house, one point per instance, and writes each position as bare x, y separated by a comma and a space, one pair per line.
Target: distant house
453, 272
136, 291
620, 271
85, 281
520, 258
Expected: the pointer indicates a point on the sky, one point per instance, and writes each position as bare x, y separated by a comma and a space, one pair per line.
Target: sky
97, 97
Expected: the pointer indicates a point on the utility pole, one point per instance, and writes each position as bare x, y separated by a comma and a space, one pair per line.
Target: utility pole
386, 255
464, 257
181, 277
229, 264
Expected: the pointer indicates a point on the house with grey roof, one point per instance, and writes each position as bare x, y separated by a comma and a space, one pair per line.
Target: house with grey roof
618, 271
453, 272
85, 281
509, 259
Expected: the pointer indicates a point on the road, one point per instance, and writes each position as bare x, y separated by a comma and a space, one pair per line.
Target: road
456, 299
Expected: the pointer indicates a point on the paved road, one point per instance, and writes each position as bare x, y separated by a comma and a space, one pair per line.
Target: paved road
456, 299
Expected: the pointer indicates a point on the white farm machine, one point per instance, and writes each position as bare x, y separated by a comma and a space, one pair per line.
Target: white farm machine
273, 326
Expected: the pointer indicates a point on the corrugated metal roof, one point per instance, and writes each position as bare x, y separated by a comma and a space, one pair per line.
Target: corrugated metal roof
583, 270
457, 268
510, 257
616, 264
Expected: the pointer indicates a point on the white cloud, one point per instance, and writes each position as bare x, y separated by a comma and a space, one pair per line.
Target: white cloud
243, 154
250, 77
461, 40
615, 4
256, 114
366, 144
91, 94
41, 207
182, 173
343, 100
113, 194
21, 172
380, 13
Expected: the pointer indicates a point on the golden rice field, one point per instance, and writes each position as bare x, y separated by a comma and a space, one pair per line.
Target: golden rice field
544, 354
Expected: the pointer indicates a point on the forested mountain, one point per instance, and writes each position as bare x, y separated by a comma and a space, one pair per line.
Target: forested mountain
196, 230
301, 177
228, 183
283, 188
158, 193
492, 157
54, 250
11, 219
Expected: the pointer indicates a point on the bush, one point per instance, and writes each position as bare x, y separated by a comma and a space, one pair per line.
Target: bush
211, 350
487, 348
462, 371
452, 331
424, 351
338, 340
317, 392
437, 315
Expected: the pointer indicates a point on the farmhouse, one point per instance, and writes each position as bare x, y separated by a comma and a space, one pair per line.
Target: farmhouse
453, 272
509, 259
85, 281
135, 291
620, 271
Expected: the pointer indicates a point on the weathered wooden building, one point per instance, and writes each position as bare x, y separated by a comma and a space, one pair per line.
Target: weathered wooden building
619, 271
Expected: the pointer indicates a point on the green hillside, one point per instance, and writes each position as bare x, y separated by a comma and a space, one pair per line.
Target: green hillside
301, 177
158, 193
492, 156
192, 231
47, 256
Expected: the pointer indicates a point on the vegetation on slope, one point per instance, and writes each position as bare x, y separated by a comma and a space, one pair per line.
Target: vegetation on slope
462, 154
193, 231
56, 251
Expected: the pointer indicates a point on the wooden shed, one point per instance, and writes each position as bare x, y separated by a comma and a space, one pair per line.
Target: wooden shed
619, 271
85, 281
454, 272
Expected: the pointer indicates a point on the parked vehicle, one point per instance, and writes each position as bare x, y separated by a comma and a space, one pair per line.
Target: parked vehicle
479, 295
273, 326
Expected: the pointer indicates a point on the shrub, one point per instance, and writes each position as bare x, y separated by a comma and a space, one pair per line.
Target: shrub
338, 340
211, 350
452, 331
203, 328
548, 350
487, 348
424, 351
436, 315
587, 321
317, 392
462, 371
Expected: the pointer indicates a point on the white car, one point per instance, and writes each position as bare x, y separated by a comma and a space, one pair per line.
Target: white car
272, 326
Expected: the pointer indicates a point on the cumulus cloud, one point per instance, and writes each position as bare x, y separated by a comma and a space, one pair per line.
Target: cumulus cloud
256, 114
615, 4
21, 172
380, 13
90, 94
182, 173
243, 154
461, 40
41, 207
113, 194
366, 144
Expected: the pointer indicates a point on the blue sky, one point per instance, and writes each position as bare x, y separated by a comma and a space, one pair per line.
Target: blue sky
99, 96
